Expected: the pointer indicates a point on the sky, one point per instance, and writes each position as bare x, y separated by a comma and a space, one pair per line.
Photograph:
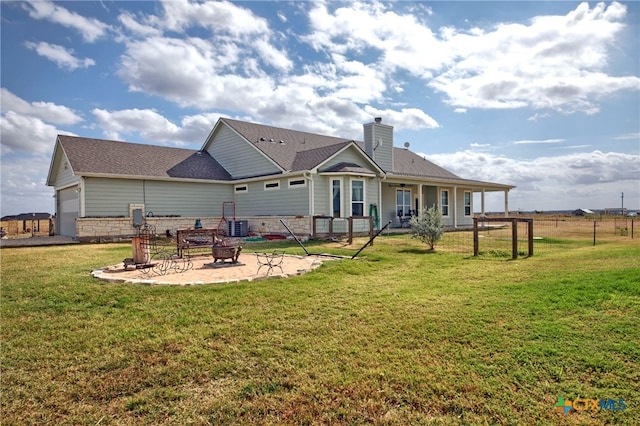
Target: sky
541, 95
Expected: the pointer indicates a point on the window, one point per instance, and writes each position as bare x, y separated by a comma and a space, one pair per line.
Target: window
467, 203
444, 202
297, 183
241, 188
403, 202
336, 197
357, 198
271, 185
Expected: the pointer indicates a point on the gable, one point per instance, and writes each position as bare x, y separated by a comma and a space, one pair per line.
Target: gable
237, 155
349, 160
60, 171
288, 150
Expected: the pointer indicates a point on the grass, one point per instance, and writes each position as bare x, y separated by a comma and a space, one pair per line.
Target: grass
402, 335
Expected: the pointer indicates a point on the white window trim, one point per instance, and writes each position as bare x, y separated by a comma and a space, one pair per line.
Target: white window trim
364, 196
448, 202
297, 185
331, 196
403, 190
241, 188
470, 203
276, 186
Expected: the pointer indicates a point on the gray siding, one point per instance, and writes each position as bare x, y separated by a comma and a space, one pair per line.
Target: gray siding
238, 157
389, 206
64, 176
321, 193
283, 201
462, 219
111, 197
350, 155
382, 154
188, 199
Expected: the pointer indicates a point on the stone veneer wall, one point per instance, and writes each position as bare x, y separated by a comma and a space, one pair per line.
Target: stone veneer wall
114, 229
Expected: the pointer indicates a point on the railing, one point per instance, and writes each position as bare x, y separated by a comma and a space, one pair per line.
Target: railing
327, 227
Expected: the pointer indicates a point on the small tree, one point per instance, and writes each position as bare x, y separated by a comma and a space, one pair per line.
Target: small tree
428, 226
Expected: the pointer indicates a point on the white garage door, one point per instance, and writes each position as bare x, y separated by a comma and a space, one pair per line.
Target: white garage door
68, 206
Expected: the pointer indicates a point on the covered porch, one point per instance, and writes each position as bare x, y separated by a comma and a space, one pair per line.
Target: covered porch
402, 199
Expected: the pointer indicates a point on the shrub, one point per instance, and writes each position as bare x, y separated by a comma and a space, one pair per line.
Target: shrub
428, 226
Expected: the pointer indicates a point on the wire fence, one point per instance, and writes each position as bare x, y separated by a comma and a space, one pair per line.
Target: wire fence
550, 233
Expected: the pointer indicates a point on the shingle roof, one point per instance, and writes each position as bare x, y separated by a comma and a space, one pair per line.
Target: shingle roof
408, 163
292, 150
304, 150
98, 156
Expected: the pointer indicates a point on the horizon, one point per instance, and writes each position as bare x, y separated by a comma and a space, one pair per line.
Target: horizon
541, 95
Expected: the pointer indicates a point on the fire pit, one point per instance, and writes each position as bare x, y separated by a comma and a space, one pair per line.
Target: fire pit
223, 253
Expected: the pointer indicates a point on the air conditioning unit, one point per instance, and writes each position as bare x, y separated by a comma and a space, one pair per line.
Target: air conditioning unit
237, 228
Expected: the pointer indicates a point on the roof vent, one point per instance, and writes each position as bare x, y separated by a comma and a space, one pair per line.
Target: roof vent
281, 142
378, 120
271, 140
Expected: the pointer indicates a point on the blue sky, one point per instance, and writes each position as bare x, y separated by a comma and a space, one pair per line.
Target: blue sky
541, 95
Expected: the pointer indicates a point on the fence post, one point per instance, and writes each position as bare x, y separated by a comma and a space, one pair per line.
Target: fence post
331, 227
530, 231
594, 232
514, 238
632, 229
475, 236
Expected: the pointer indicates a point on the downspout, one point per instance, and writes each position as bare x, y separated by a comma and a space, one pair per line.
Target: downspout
81, 198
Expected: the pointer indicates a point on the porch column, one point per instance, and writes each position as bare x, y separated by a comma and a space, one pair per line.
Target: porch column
506, 203
420, 200
455, 206
482, 203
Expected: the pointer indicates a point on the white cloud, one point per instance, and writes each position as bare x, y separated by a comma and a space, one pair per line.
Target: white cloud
554, 62
90, 28
221, 16
22, 133
131, 24
24, 187
537, 142
628, 136
62, 57
45, 111
552, 182
191, 131
236, 74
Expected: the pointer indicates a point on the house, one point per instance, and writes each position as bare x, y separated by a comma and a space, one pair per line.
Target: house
29, 224
252, 172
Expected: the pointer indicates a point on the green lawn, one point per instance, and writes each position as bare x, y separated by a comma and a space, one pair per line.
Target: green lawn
400, 335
